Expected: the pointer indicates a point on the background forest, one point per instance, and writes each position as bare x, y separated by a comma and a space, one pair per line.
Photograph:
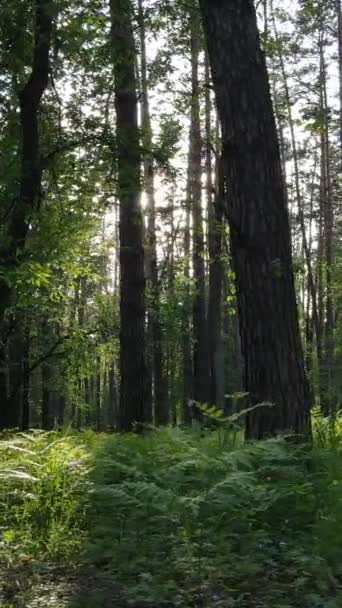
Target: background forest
60, 282
170, 269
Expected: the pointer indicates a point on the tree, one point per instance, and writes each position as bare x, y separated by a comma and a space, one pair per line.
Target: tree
258, 219
215, 204
134, 397
200, 349
154, 323
24, 205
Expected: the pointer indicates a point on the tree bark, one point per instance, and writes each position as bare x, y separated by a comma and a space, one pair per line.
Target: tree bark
134, 397
259, 224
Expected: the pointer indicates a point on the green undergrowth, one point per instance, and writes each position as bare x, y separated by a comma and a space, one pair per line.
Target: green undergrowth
44, 497
171, 518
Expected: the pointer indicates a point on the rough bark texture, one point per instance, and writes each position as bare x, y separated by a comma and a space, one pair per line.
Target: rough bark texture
260, 233
28, 196
134, 397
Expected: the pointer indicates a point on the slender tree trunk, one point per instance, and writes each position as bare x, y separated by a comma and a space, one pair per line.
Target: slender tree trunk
299, 198
134, 397
259, 224
29, 189
309, 324
172, 349
47, 413
26, 379
327, 388
98, 395
113, 397
161, 412
201, 354
216, 281
339, 40
186, 317
216, 270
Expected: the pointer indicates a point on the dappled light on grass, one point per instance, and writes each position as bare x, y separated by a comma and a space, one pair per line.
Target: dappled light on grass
171, 518
44, 487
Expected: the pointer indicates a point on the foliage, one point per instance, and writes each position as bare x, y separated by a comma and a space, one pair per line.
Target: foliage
172, 518
43, 498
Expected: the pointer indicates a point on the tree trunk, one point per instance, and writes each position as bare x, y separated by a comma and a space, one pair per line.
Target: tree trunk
98, 395
26, 379
113, 397
299, 198
29, 190
200, 354
47, 397
339, 40
134, 397
216, 270
216, 279
186, 316
259, 224
216, 288
327, 399
161, 412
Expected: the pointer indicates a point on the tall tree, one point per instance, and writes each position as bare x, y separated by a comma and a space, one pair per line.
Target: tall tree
339, 42
297, 189
215, 194
201, 355
26, 202
258, 218
327, 212
154, 322
134, 397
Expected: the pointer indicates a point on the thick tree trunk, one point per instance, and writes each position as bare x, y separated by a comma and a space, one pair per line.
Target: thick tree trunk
200, 352
258, 217
161, 412
134, 397
29, 192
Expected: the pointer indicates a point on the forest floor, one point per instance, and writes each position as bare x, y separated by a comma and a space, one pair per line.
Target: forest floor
170, 519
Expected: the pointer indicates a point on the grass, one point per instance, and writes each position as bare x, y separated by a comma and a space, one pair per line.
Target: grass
44, 487
174, 518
